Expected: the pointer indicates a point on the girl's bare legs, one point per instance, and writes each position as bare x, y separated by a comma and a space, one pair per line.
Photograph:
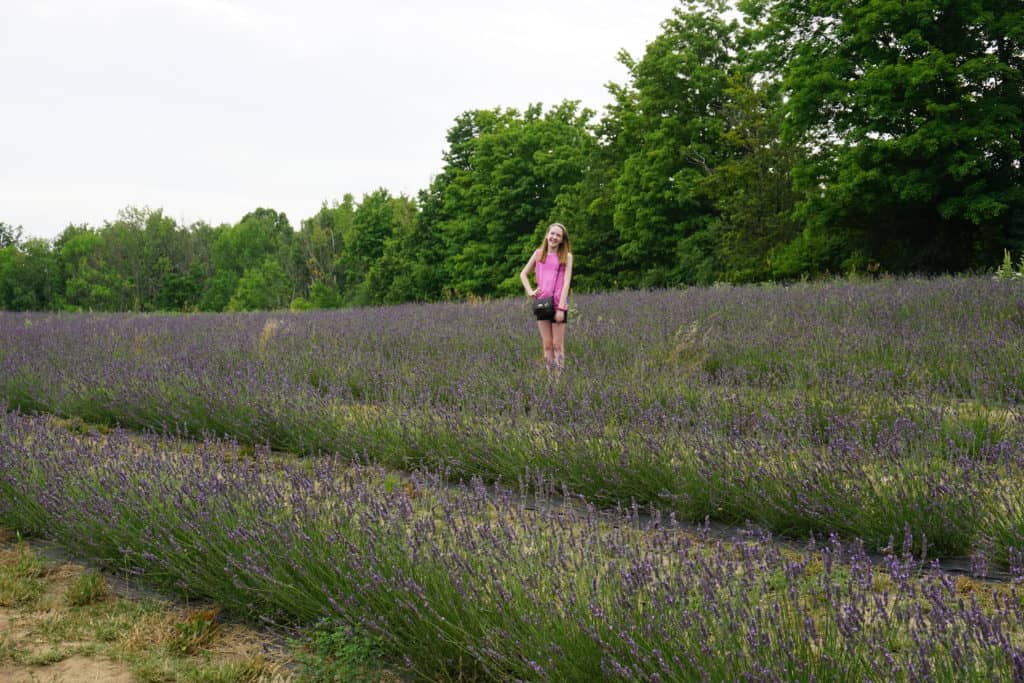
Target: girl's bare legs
558, 344
547, 340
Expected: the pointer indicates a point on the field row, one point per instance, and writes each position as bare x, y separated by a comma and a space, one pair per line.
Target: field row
448, 580
857, 408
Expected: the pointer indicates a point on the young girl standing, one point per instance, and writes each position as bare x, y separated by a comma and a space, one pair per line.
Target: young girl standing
552, 266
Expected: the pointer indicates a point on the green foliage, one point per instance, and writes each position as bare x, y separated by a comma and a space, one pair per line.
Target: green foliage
218, 290
89, 282
261, 288
911, 113
88, 588
1007, 271
10, 236
337, 654
404, 271
680, 93
377, 259
752, 188
322, 295
30, 276
320, 248
813, 250
246, 245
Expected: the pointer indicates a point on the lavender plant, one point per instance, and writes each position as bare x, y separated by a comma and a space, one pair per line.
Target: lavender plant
465, 583
852, 407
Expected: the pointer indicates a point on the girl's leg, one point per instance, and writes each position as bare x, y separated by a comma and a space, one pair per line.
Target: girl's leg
546, 334
558, 344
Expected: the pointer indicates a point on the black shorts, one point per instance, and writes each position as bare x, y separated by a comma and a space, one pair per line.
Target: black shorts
555, 322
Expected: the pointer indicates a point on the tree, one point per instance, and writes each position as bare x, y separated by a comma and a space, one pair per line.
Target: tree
402, 272
320, 246
751, 188
218, 290
911, 112
30, 276
9, 235
246, 246
261, 288
89, 282
152, 253
674, 128
363, 244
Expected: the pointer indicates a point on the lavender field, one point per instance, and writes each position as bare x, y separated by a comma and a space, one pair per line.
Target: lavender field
465, 583
861, 412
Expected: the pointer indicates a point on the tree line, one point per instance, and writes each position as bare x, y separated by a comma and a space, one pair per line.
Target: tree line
788, 138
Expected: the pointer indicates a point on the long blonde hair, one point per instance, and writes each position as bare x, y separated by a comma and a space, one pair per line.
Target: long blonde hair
563, 247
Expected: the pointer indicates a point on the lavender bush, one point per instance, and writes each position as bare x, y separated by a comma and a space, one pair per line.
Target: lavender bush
859, 408
465, 583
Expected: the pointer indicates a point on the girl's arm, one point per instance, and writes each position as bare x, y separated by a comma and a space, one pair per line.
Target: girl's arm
524, 275
563, 300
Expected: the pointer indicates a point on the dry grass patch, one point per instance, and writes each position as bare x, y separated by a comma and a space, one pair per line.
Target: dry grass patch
60, 621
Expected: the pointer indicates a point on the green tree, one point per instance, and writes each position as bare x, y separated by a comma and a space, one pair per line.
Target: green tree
121, 258
8, 277
911, 113
170, 276
400, 273
673, 126
320, 246
40, 276
218, 290
29, 276
363, 244
151, 252
89, 283
262, 288
9, 235
246, 246
751, 188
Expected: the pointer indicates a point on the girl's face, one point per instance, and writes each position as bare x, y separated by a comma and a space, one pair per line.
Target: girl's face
554, 237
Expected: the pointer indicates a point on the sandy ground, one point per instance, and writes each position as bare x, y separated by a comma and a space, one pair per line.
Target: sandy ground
72, 670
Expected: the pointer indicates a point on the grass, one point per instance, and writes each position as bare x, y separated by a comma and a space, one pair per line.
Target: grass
328, 654
61, 612
21, 579
88, 588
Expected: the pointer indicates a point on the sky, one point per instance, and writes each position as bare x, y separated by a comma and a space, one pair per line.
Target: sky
209, 109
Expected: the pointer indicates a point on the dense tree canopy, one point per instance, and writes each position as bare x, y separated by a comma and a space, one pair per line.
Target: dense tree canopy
789, 139
911, 112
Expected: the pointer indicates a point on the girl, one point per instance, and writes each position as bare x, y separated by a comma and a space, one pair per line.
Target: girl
552, 265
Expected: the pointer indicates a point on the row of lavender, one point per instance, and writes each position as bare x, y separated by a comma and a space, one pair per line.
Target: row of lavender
861, 408
449, 579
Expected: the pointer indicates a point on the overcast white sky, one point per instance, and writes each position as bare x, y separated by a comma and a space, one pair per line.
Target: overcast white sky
212, 108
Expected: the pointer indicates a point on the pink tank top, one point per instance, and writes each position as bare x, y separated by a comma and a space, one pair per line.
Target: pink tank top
550, 276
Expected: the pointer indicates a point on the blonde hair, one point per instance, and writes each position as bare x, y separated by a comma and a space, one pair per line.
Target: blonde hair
563, 247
